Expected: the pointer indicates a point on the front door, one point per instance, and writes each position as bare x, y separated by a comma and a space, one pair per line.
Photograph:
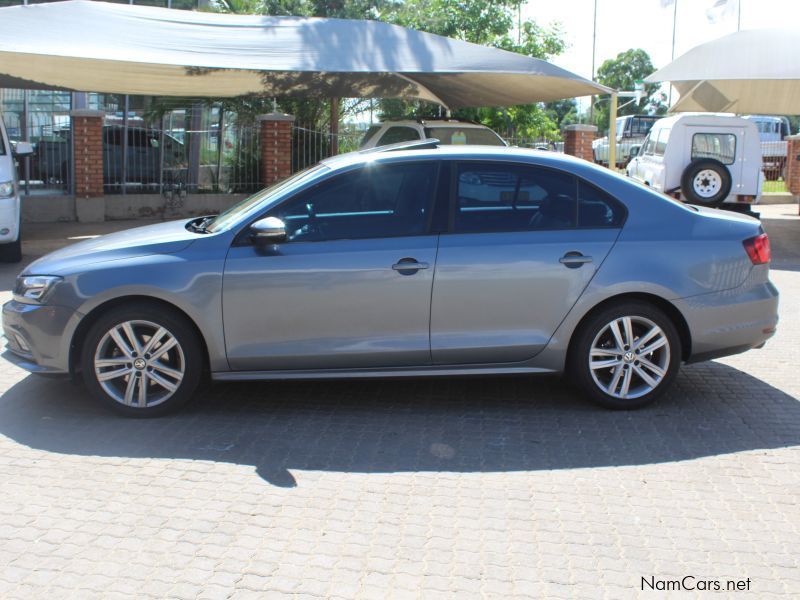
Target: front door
520, 253
349, 288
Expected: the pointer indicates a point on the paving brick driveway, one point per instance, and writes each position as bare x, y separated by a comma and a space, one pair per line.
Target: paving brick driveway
438, 488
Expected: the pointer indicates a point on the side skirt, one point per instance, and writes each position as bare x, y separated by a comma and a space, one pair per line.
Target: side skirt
433, 371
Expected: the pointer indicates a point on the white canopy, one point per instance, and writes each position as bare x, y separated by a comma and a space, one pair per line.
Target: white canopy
755, 71
116, 48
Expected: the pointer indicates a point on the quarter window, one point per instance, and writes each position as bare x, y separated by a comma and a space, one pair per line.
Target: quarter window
398, 134
378, 200
719, 146
597, 209
498, 197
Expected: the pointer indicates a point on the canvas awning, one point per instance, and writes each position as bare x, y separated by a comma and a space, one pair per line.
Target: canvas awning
755, 71
116, 48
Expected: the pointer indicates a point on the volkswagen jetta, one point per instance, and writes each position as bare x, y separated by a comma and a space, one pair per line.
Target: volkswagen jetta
411, 261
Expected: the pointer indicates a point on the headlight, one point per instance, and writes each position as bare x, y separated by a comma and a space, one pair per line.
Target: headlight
6, 189
34, 289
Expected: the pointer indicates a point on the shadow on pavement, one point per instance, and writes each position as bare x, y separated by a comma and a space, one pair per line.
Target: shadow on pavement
457, 425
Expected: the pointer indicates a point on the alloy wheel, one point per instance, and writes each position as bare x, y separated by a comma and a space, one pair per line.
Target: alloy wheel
629, 357
139, 363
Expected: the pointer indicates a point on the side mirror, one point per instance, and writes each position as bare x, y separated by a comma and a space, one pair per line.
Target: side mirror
23, 149
269, 229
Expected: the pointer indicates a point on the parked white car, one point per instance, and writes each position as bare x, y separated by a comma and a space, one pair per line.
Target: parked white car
10, 243
707, 159
449, 132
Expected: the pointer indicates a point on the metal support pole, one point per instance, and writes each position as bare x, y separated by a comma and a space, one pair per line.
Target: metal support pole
126, 106
334, 126
612, 133
220, 138
26, 138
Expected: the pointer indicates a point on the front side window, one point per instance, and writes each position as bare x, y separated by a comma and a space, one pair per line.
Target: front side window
650, 144
397, 134
719, 146
502, 197
378, 200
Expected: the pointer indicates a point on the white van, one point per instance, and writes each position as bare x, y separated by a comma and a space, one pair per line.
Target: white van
707, 159
10, 243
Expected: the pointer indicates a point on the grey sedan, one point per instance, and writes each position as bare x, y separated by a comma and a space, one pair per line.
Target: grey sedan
403, 262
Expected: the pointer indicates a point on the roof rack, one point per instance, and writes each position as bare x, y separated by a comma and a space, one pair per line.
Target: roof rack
426, 144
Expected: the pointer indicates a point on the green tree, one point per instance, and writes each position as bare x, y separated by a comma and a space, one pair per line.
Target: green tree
622, 73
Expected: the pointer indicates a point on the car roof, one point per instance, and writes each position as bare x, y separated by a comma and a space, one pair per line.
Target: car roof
434, 123
704, 119
450, 152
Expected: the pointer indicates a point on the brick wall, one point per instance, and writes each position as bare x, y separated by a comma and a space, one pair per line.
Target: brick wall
88, 139
276, 147
578, 140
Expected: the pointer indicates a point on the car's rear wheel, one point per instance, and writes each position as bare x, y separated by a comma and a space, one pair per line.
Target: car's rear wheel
142, 361
626, 356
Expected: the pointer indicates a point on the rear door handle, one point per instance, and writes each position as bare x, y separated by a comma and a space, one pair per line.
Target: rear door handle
409, 266
573, 260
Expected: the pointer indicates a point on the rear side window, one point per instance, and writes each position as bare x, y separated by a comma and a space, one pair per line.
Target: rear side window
661, 142
719, 146
596, 209
466, 135
501, 197
398, 134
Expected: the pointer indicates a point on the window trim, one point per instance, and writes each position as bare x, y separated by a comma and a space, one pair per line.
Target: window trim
242, 238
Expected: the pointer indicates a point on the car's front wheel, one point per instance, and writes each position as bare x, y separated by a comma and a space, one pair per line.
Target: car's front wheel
142, 361
626, 356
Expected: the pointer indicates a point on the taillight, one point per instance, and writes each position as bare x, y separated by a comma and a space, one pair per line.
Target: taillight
758, 249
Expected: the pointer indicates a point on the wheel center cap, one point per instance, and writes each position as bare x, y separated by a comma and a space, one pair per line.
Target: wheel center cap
628, 356
140, 363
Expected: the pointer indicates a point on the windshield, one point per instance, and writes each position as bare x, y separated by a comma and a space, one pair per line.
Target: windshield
473, 136
234, 213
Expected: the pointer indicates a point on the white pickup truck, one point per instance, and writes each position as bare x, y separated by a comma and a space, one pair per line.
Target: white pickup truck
703, 158
631, 132
773, 131
10, 243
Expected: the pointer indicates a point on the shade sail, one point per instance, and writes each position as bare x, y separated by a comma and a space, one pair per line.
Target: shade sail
756, 71
114, 48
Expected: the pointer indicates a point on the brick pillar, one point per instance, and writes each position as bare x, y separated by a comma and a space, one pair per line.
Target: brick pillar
87, 127
276, 146
793, 164
578, 140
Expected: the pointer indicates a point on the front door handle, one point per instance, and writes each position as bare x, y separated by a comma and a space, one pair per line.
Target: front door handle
573, 260
409, 266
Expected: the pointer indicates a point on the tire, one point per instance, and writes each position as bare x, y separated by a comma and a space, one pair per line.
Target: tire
706, 181
11, 252
595, 342
172, 374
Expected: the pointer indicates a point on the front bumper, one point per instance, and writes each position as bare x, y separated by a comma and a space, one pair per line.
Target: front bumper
34, 337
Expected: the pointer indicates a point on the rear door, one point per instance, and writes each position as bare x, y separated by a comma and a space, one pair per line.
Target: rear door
725, 144
518, 255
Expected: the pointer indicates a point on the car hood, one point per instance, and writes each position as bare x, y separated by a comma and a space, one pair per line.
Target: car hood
162, 238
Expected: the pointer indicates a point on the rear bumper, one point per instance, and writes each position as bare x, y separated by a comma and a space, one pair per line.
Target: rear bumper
34, 337
730, 322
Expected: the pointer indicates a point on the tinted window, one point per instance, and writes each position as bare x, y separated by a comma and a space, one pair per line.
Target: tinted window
370, 134
467, 135
398, 134
598, 209
498, 197
719, 146
374, 201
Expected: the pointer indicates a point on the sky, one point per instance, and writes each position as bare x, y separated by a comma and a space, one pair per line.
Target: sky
647, 24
